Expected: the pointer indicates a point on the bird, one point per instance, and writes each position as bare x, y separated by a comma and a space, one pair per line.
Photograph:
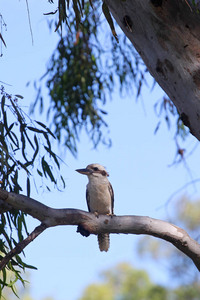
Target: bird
99, 197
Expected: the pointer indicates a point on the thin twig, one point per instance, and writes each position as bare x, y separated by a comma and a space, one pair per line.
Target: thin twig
178, 191
21, 245
188, 5
29, 20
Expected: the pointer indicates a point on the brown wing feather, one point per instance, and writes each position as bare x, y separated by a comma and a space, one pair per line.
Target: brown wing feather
112, 197
88, 199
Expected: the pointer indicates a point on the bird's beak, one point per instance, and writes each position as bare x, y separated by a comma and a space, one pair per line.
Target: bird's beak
84, 171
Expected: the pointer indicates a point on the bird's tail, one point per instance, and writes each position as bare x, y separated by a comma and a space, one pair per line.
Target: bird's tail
104, 241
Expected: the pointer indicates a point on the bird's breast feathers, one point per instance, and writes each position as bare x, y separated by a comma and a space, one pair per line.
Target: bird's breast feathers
99, 198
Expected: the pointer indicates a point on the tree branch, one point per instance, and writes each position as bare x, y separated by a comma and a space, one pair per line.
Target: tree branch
21, 245
4, 207
106, 224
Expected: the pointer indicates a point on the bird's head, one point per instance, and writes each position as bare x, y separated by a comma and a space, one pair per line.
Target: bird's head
94, 170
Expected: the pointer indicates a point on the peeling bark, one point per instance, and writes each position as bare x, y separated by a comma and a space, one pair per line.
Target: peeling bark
166, 33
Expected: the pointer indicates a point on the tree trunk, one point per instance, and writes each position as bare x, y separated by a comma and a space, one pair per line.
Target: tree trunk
166, 33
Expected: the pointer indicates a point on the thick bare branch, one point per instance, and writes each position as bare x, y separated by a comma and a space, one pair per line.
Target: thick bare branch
4, 206
106, 224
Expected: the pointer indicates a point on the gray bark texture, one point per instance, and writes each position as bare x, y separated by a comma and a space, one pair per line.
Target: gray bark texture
166, 34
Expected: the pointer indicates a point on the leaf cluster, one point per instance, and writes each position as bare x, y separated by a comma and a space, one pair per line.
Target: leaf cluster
166, 110
24, 144
81, 75
79, 10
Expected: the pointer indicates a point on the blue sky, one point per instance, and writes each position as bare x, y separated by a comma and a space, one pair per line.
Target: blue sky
138, 163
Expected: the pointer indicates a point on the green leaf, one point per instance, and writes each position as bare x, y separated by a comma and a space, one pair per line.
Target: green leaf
108, 17
53, 155
9, 129
35, 129
47, 129
4, 275
24, 166
28, 186
24, 222
40, 173
18, 259
19, 228
29, 266
3, 99
20, 117
5, 121
14, 139
47, 170
1, 37
19, 96
27, 137
47, 139
48, 188
63, 181
23, 141
37, 148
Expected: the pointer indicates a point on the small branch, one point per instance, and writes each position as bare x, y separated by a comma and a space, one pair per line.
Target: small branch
21, 245
29, 20
105, 224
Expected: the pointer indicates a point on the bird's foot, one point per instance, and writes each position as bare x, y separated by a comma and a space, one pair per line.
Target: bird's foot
110, 215
96, 214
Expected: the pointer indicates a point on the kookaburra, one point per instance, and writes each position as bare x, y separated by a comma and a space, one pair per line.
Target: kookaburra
99, 196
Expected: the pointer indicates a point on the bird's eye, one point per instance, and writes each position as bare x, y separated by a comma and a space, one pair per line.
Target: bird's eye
95, 169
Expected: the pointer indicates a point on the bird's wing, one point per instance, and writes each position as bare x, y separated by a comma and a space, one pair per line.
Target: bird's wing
88, 199
112, 197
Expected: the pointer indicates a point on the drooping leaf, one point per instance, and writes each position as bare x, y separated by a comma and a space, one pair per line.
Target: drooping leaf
1, 37
47, 129
19, 96
109, 19
28, 186
47, 170
35, 129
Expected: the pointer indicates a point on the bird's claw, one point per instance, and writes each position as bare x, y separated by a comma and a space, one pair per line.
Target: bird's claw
96, 214
110, 215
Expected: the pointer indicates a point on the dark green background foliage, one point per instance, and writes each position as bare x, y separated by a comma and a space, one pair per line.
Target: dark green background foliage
123, 282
